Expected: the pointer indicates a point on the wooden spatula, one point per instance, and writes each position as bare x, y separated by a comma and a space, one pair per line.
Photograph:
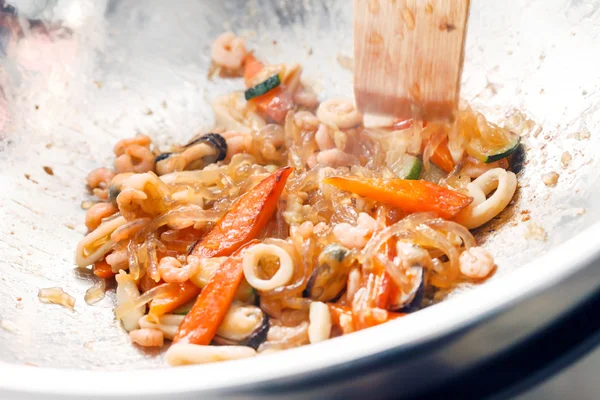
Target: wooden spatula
408, 57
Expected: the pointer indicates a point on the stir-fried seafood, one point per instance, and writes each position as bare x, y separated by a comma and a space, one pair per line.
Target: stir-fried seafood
294, 223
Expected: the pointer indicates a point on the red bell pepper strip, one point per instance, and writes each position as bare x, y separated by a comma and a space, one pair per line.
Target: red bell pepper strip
442, 158
103, 270
276, 102
167, 302
385, 285
251, 67
246, 218
409, 195
201, 323
402, 124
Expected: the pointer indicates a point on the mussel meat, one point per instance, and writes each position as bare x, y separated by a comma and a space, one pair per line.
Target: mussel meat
196, 154
243, 325
328, 279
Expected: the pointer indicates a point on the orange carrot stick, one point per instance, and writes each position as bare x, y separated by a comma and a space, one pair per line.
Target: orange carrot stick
246, 218
442, 158
167, 302
409, 195
103, 270
201, 323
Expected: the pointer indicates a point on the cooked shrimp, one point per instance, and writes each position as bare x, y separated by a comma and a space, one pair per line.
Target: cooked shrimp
323, 138
147, 337
96, 213
339, 112
306, 121
340, 138
122, 145
102, 194
306, 98
319, 228
474, 168
312, 160
198, 151
114, 187
181, 161
356, 236
118, 259
171, 269
410, 255
135, 158
100, 178
336, 158
228, 51
142, 195
173, 163
237, 142
476, 263
304, 230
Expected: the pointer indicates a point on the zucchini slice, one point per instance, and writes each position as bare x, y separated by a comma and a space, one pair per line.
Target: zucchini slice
263, 87
477, 149
408, 167
184, 309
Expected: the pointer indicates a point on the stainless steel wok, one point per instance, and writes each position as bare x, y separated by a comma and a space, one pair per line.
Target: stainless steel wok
122, 67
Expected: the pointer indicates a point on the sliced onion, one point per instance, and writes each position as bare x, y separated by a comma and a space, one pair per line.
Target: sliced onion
205, 176
437, 240
284, 337
151, 244
144, 299
374, 244
296, 303
174, 216
436, 133
58, 296
457, 142
96, 292
129, 229
191, 212
97, 243
457, 229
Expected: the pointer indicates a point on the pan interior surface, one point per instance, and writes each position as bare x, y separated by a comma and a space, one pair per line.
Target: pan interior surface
126, 67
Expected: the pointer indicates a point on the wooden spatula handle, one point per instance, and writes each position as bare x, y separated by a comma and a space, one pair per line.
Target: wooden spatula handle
408, 56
